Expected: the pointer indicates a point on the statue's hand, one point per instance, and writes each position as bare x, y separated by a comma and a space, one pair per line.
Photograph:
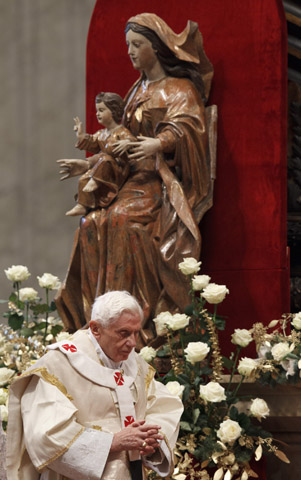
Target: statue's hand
121, 146
72, 167
144, 148
78, 128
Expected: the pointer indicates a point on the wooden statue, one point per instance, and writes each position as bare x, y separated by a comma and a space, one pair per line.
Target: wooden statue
105, 172
136, 242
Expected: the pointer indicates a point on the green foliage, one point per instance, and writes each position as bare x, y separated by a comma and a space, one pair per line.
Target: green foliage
15, 321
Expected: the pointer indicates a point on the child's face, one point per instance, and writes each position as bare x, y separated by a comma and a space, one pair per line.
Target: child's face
104, 114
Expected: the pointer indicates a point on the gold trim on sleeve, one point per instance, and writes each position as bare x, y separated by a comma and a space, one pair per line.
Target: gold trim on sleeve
149, 376
171, 453
96, 427
50, 378
64, 450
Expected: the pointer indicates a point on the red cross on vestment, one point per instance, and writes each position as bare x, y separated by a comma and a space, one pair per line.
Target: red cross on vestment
119, 378
68, 347
128, 420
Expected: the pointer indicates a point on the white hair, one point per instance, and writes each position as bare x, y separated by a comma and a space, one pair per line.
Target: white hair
110, 306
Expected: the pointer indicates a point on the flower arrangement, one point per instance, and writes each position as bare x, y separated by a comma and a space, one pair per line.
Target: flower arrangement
218, 435
31, 326
279, 351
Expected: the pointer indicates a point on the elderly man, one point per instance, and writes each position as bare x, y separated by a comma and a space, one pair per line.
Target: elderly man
90, 408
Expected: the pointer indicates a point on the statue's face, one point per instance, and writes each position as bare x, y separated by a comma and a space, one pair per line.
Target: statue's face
140, 51
103, 114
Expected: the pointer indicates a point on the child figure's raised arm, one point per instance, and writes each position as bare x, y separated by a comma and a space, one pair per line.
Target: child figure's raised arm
78, 128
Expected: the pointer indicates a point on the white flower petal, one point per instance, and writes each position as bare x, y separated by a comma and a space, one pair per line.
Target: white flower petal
219, 474
228, 475
273, 323
258, 453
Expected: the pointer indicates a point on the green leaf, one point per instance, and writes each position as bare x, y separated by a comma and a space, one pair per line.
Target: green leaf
183, 379
197, 381
13, 297
40, 309
227, 363
195, 415
26, 332
292, 355
188, 310
56, 329
186, 394
234, 414
164, 351
15, 322
52, 306
39, 326
170, 377
244, 421
243, 455
220, 323
185, 426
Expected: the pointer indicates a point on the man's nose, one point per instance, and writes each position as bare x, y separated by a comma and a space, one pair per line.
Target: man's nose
132, 340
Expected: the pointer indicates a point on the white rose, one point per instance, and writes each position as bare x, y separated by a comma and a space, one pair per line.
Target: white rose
189, 266
196, 351
246, 366
229, 431
147, 353
17, 273
6, 374
280, 350
49, 281
199, 282
297, 321
259, 408
241, 337
175, 388
178, 321
214, 293
212, 392
28, 294
4, 413
62, 336
161, 321
3, 396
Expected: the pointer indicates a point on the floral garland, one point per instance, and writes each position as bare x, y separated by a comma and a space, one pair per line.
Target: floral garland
218, 435
31, 326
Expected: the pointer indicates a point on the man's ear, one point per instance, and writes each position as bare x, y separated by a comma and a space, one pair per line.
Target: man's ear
95, 328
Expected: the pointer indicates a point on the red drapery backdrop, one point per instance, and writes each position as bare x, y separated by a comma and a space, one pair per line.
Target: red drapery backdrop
244, 234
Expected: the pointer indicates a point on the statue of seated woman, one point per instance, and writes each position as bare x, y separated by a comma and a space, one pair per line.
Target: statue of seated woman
137, 241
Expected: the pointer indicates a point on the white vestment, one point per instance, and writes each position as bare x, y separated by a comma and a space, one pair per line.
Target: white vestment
64, 411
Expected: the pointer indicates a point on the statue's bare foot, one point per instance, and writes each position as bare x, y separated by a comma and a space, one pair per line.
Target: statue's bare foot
77, 210
91, 186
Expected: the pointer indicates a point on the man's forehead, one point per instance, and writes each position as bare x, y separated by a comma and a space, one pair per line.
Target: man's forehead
128, 319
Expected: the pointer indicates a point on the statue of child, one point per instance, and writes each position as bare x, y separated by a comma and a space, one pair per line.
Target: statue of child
105, 172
